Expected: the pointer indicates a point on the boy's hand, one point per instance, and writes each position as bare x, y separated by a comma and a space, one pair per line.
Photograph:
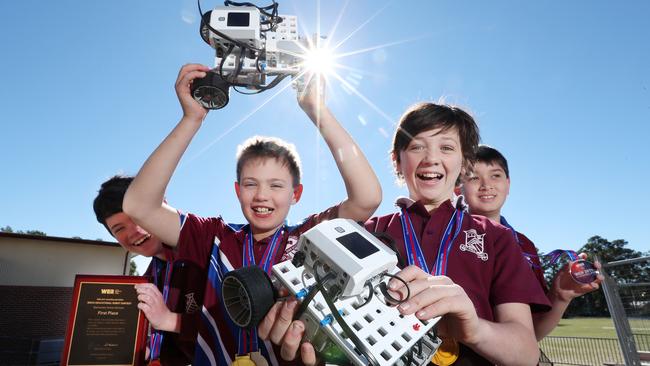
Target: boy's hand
191, 108
311, 93
279, 327
565, 288
152, 304
433, 296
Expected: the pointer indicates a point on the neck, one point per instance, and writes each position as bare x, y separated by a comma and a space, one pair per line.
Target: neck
259, 235
160, 255
432, 205
494, 215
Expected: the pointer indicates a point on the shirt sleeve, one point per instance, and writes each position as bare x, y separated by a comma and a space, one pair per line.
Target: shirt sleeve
197, 236
513, 281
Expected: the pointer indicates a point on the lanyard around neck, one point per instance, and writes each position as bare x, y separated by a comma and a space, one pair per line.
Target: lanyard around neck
414, 250
157, 335
247, 339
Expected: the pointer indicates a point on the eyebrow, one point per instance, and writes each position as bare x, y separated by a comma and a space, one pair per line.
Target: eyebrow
444, 138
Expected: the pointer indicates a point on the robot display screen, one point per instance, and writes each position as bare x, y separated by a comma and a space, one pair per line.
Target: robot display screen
357, 244
238, 19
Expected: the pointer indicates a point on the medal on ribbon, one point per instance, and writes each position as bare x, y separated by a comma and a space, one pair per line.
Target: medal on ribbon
244, 360
582, 271
447, 353
157, 335
449, 350
248, 349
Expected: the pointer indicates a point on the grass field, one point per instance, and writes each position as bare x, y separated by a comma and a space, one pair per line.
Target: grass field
596, 327
595, 341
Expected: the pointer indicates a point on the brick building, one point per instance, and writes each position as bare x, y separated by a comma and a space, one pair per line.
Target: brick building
36, 279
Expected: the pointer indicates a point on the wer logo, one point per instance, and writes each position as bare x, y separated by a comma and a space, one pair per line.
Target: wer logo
110, 291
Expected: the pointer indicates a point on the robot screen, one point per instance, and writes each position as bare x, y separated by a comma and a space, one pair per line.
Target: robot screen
238, 19
357, 244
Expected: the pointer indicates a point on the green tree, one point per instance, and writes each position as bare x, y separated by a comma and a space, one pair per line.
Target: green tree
133, 270
8, 229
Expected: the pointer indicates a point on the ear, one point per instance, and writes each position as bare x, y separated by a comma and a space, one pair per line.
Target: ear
396, 164
507, 186
297, 193
237, 189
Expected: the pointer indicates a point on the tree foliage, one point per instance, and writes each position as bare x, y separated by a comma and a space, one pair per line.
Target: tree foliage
8, 229
133, 269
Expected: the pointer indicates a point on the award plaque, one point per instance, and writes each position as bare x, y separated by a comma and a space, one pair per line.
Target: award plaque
105, 325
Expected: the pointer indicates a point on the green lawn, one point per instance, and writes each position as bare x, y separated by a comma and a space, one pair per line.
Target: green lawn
596, 327
588, 348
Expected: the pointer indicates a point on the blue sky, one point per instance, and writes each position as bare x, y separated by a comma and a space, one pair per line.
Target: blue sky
561, 88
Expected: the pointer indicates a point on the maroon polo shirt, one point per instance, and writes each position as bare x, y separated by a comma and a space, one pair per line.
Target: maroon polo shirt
185, 297
504, 277
195, 245
527, 246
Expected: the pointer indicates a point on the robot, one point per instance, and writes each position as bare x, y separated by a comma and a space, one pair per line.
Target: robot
255, 50
339, 274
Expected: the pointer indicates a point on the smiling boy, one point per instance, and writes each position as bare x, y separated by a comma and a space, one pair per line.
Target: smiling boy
268, 183
461, 267
173, 318
486, 188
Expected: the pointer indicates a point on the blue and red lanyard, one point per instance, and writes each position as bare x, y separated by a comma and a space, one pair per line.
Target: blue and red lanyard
157, 335
414, 250
554, 255
248, 338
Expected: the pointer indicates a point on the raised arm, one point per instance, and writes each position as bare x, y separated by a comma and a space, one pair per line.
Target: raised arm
144, 200
361, 183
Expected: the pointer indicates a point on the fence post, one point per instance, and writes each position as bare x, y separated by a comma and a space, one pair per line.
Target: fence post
623, 331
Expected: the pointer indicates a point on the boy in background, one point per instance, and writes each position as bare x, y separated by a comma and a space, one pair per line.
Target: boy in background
173, 319
485, 189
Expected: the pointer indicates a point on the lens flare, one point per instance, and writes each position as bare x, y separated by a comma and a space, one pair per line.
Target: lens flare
319, 60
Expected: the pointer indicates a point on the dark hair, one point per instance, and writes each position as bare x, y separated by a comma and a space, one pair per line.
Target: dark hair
109, 198
428, 116
261, 147
489, 155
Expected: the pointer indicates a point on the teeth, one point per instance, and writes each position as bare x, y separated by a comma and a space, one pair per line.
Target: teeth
486, 197
262, 210
430, 175
142, 240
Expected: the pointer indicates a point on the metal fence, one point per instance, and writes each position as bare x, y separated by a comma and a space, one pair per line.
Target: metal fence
588, 351
582, 351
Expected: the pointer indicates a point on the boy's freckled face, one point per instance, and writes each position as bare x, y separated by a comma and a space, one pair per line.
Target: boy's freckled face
430, 165
132, 237
266, 193
486, 189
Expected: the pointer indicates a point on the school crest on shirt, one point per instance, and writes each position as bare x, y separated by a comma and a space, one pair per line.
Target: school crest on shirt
474, 243
190, 304
290, 249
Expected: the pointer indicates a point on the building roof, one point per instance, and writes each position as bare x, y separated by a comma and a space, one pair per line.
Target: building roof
58, 239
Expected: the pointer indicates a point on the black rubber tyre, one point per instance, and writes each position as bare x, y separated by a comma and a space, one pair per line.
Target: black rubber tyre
212, 91
247, 295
